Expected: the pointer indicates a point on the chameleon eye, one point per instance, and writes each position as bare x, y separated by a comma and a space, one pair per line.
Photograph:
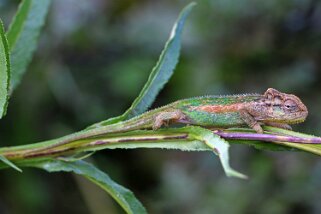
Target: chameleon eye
290, 105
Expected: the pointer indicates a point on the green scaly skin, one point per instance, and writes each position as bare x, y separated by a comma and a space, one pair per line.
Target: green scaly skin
272, 108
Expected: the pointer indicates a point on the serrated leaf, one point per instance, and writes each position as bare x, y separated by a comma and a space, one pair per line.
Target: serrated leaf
23, 36
4, 72
125, 198
159, 75
9, 163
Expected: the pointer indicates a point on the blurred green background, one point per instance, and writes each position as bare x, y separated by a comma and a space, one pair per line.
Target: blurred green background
95, 56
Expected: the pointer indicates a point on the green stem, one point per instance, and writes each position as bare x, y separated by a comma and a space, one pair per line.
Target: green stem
48, 149
172, 138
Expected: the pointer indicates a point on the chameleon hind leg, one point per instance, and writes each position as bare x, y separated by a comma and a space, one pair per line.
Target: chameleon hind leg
166, 117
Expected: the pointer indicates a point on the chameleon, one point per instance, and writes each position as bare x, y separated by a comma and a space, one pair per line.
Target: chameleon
272, 108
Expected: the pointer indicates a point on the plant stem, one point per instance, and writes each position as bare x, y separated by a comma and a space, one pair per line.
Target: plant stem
171, 138
267, 137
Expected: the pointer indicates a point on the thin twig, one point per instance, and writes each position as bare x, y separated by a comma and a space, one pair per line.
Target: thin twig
267, 137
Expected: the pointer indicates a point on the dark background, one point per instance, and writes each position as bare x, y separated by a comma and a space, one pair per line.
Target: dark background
95, 56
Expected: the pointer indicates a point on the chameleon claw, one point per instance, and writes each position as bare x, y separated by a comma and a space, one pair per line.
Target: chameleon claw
257, 127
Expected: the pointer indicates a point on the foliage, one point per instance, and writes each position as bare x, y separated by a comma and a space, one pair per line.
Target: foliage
4, 72
159, 75
22, 37
123, 196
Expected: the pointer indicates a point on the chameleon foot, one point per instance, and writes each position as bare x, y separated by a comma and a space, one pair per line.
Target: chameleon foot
257, 127
164, 118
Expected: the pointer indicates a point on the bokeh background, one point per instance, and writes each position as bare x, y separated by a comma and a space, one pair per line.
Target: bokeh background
95, 56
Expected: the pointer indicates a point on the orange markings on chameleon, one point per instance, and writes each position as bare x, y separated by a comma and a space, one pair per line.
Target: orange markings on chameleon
219, 108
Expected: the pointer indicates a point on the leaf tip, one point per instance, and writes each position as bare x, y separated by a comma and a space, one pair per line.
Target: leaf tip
9, 163
236, 174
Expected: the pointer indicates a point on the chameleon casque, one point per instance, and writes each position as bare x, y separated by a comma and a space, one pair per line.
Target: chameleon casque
273, 108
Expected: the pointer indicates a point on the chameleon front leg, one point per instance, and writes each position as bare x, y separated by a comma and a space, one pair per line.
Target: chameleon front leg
166, 117
250, 121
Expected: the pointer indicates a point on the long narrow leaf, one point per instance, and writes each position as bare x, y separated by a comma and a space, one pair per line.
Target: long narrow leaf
125, 198
23, 36
160, 74
4, 72
9, 163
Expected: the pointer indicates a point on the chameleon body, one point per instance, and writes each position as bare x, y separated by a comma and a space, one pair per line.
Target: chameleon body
253, 110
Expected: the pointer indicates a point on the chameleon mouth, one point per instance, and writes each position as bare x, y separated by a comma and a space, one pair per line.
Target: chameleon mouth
294, 118
301, 120
299, 117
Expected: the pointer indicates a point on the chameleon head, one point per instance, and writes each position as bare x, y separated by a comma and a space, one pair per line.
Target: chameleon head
283, 108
